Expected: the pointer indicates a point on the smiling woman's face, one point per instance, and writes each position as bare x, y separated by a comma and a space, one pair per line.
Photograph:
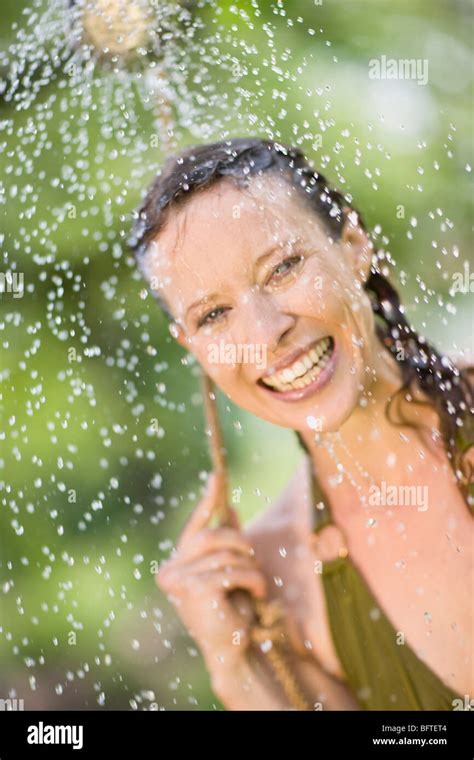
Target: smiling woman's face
272, 309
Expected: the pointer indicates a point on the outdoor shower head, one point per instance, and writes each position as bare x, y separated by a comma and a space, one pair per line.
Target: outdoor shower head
115, 27
125, 30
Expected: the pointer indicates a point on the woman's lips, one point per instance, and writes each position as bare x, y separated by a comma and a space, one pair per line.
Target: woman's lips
298, 394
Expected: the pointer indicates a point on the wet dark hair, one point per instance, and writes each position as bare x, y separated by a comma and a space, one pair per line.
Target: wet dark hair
446, 387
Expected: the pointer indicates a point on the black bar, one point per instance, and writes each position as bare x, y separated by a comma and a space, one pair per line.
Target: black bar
160, 734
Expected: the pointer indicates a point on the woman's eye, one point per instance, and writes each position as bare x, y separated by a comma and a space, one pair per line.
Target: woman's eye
285, 267
212, 316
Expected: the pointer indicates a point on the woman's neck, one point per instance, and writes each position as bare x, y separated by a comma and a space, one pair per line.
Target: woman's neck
368, 448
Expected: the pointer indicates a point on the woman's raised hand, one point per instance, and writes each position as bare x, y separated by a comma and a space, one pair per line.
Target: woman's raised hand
209, 563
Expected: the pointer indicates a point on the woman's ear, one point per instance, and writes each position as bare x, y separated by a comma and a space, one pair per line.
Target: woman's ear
361, 248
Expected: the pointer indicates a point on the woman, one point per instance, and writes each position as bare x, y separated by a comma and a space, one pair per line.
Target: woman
368, 551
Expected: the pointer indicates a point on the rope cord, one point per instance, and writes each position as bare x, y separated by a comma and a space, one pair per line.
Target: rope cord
268, 631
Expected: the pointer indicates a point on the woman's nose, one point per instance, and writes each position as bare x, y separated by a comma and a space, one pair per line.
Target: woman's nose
266, 322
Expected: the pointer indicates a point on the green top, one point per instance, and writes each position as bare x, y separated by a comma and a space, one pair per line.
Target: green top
382, 671
383, 674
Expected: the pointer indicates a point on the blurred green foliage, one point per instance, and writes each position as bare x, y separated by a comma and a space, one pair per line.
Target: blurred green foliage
103, 455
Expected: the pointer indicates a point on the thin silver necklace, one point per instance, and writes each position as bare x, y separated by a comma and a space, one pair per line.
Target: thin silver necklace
342, 472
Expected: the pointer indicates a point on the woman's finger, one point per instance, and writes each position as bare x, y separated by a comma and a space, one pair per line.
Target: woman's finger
234, 521
208, 505
247, 579
210, 540
185, 573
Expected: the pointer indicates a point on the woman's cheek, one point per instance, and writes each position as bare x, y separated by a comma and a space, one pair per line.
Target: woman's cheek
364, 318
306, 297
200, 349
360, 341
209, 355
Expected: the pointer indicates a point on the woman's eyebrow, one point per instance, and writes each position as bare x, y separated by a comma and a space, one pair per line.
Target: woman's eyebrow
282, 246
203, 299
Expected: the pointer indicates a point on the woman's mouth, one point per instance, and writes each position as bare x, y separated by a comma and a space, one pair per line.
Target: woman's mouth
307, 373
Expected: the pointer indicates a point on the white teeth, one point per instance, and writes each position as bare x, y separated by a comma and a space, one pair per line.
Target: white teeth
271, 381
303, 371
299, 368
308, 378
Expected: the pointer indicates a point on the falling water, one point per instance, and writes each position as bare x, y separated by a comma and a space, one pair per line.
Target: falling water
100, 412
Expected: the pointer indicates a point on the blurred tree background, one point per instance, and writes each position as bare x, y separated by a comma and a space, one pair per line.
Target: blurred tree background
103, 453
